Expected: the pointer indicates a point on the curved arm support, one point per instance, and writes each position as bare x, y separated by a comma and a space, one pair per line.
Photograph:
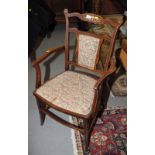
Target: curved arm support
111, 70
47, 53
35, 63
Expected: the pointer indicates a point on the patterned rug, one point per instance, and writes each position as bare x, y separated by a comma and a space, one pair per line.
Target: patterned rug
109, 136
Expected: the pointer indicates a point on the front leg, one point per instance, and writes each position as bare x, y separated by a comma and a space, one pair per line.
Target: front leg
42, 114
86, 136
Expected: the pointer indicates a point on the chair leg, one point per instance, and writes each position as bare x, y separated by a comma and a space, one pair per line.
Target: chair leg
86, 137
42, 115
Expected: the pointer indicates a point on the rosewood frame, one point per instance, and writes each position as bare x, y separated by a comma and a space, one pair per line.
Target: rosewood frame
44, 105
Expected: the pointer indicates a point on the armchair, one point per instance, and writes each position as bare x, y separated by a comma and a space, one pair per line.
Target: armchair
77, 93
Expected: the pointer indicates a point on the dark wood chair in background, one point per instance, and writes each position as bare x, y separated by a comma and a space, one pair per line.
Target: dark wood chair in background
73, 92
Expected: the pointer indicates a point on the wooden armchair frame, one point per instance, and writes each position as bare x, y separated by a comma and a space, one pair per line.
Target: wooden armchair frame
89, 119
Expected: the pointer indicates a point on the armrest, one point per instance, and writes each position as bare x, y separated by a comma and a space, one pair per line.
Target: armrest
105, 74
46, 54
36, 62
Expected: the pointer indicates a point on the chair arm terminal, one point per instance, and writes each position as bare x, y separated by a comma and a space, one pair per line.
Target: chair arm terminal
47, 53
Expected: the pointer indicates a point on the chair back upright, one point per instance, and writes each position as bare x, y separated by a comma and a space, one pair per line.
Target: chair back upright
88, 44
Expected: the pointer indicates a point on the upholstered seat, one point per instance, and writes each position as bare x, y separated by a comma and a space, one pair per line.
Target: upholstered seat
71, 91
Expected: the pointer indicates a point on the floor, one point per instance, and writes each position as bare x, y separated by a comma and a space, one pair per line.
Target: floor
52, 138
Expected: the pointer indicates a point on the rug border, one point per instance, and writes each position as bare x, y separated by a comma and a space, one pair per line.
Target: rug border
74, 140
73, 137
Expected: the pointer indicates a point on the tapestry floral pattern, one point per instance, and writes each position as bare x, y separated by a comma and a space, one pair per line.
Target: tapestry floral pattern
70, 90
87, 51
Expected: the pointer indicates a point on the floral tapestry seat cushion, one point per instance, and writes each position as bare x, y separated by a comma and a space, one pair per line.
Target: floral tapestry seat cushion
119, 87
71, 91
102, 29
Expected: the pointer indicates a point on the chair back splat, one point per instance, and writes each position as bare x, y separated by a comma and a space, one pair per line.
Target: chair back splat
77, 93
